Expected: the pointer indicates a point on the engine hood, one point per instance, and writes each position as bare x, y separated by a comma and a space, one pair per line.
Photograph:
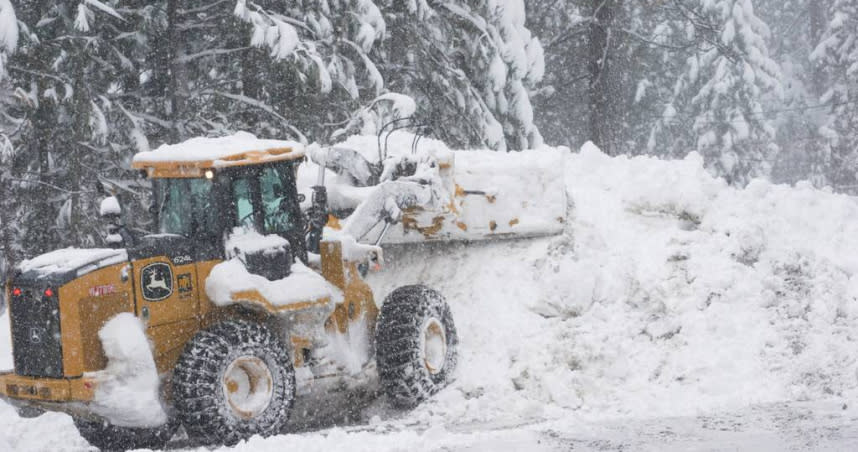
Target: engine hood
61, 266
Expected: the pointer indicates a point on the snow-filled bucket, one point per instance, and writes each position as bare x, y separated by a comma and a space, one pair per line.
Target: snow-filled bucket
435, 194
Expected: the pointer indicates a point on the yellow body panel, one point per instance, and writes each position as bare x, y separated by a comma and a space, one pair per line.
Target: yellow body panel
47, 389
358, 301
89, 301
86, 304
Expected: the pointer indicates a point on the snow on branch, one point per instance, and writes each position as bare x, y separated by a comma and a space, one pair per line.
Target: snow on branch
8, 33
310, 39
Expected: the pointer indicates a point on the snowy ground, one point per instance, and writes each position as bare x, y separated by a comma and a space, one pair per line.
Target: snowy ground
674, 313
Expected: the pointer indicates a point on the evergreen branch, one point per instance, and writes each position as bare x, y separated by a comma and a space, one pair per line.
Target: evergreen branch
256, 104
210, 52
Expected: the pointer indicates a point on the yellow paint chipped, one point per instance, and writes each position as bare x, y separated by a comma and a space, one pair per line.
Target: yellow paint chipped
333, 223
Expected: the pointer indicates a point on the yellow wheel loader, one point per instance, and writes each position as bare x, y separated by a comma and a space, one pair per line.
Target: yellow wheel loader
239, 300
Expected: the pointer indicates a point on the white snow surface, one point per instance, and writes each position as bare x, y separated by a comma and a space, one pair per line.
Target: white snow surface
213, 149
69, 259
109, 206
302, 284
244, 241
668, 294
127, 391
8, 28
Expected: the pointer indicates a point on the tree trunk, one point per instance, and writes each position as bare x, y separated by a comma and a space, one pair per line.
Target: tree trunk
81, 134
6, 214
599, 89
177, 88
816, 16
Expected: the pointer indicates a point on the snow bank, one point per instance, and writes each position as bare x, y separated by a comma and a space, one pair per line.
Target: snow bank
213, 149
668, 293
127, 390
231, 277
73, 259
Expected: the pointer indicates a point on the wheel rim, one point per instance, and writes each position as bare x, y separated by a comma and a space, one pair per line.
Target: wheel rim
248, 386
434, 349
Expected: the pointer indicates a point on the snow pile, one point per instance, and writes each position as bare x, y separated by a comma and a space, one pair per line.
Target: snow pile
303, 284
71, 259
668, 293
8, 34
214, 149
109, 206
243, 241
524, 191
231, 277
127, 390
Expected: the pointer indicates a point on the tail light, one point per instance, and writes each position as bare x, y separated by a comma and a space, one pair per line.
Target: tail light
49, 292
16, 292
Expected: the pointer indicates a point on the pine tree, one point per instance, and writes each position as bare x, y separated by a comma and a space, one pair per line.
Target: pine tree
610, 66
64, 75
720, 95
470, 66
837, 52
560, 102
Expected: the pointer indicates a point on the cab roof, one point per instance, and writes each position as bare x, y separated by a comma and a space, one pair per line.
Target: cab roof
192, 157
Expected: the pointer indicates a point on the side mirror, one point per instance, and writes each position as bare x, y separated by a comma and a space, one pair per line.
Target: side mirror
301, 198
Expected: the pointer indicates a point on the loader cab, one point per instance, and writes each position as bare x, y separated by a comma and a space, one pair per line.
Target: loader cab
207, 209
206, 187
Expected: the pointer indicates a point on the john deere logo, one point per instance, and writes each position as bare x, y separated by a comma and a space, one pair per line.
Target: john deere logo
156, 281
36, 335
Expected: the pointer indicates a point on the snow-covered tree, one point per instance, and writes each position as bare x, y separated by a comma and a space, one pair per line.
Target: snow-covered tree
8, 34
560, 102
65, 76
837, 53
719, 98
470, 65
609, 66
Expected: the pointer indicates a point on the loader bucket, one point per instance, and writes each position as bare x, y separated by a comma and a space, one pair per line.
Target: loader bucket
435, 194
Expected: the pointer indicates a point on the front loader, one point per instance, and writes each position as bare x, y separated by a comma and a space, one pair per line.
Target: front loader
250, 293
237, 318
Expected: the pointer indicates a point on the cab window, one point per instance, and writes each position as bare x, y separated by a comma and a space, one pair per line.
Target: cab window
242, 201
185, 206
274, 185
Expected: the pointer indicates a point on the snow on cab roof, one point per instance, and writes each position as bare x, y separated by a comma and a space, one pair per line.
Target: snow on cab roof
189, 158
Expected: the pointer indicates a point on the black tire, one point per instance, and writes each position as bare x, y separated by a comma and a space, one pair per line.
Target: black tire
403, 368
200, 383
108, 437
